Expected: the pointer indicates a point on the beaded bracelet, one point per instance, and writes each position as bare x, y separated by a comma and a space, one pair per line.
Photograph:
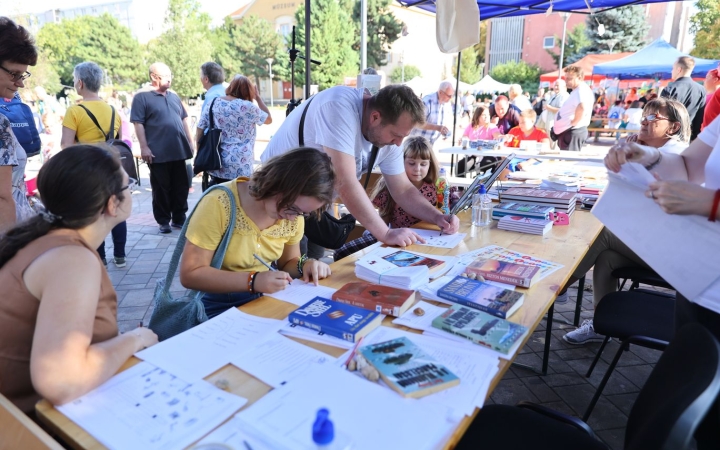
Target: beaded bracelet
301, 262
251, 282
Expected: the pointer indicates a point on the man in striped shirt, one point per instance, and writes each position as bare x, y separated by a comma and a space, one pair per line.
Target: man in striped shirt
437, 110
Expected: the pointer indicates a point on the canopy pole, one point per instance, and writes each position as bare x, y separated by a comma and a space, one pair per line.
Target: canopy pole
457, 87
307, 49
565, 16
363, 35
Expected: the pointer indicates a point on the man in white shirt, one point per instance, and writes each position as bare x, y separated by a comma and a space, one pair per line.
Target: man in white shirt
517, 99
573, 118
345, 123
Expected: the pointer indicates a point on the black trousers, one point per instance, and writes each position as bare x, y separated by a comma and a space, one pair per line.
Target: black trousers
707, 435
571, 139
170, 188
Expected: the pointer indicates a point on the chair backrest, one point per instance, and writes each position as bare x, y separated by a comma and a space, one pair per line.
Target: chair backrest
680, 391
18, 431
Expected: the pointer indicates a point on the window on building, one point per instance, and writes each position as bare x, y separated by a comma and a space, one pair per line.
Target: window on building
283, 25
549, 42
285, 29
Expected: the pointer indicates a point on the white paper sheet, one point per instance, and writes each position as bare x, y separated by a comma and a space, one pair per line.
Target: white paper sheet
278, 359
298, 292
682, 249
209, 346
412, 320
371, 416
434, 239
236, 435
313, 336
148, 408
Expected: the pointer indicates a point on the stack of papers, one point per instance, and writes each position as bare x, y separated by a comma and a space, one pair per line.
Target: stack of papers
401, 268
525, 224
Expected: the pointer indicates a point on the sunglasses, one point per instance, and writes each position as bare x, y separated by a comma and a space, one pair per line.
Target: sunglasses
654, 118
17, 76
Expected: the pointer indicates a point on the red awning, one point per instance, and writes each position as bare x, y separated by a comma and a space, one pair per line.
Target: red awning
587, 64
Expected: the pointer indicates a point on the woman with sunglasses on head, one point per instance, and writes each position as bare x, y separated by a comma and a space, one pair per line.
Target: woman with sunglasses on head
58, 316
17, 52
271, 207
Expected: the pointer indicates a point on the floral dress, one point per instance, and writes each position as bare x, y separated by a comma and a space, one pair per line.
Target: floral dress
12, 154
237, 119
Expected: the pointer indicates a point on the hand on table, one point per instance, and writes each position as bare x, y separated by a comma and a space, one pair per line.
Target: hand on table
314, 270
681, 197
449, 224
624, 152
402, 237
271, 281
144, 337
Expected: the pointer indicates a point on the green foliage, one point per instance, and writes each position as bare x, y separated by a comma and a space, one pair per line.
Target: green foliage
625, 31
706, 42
522, 73
251, 44
396, 76
707, 16
184, 46
382, 30
103, 40
575, 41
469, 68
332, 37
480, 46
45, 75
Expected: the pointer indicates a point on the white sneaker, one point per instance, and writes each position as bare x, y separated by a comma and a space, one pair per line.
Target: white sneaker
584, 334
562, 298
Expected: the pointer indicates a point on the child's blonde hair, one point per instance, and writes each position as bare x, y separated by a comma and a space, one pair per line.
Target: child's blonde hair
413, 147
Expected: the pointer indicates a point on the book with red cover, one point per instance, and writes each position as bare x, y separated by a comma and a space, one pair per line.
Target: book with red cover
504, 272
375, 297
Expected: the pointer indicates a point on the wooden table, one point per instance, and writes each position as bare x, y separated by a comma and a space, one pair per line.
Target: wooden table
564, 245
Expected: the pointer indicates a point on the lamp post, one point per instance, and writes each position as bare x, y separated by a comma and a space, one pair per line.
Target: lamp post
565, 16
270, 61
402, 66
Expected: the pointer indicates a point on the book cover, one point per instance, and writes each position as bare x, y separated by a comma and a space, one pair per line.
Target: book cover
375, 297
539, 195
486, 297
404, 258
504, 272
525, 224
522, 209
336, 319
407, 369
481, 328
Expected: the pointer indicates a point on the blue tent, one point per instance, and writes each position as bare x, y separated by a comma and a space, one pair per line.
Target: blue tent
509, 8
654, 61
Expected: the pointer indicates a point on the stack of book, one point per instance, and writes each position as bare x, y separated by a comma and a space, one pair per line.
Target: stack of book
569, 184
400, 268
562, 201
525, 224
503, 209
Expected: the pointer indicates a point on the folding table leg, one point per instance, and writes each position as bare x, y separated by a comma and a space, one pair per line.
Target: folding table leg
546, 349
578, 305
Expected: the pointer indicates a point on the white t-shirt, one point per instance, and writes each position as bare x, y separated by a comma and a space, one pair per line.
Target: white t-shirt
582, 94
674, 146
634, 118
710, 298
333, 120
522, 102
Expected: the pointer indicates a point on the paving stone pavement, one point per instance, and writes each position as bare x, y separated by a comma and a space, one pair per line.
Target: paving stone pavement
564, 388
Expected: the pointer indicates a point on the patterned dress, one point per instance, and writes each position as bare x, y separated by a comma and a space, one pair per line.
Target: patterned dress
12, 154
237, 119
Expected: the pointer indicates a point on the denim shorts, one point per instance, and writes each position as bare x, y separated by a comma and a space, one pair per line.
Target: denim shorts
219, 303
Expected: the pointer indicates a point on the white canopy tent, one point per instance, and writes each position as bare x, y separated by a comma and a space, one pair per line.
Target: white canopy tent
489, 85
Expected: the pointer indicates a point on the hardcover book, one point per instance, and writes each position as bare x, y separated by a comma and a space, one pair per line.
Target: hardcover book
336, 319
400, 268
525, 224
407, 369
540, 195
504, 272
481, 328
375, 297
522, 209
486, 297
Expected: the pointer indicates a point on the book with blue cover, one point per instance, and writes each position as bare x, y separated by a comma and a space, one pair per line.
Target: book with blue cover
486, 297
481, 328
407, 369
336, 319
522, 209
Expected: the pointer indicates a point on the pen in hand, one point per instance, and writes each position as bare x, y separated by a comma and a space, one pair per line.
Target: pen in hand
264, 263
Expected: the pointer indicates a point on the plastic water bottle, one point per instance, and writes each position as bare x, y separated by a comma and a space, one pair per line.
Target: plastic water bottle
324, 435
443, 192
481, 208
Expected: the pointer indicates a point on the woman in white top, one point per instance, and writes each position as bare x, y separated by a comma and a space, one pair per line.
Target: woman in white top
690, 186
633, 116
665, 125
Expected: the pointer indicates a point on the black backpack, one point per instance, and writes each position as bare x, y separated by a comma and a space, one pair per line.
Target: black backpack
126, 156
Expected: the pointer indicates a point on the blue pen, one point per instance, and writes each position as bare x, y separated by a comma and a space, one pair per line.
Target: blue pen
264, 263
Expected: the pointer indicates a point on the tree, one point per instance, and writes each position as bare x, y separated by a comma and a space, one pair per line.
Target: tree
625, 30
522, 73
575, 41
333, 34
103, 40
469, 68
254, 41
184, 46
396, 76
706, 42
45, 75
708, 14
382, 30
480, 46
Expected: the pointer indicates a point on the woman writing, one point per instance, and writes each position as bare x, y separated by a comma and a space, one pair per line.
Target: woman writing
271, 207
237, 116
58, 321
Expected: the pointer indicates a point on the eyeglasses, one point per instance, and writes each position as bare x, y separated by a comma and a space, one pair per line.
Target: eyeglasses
17, 76
132, 184
446, 94
294, 212
653, 118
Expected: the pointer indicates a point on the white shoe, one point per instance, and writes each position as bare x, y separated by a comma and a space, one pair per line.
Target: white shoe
584, 334
561, 298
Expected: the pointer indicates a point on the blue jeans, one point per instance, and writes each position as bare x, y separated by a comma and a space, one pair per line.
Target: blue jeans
219, 303
119, 237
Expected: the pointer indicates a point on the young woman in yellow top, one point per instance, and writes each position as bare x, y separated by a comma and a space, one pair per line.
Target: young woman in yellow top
270, 211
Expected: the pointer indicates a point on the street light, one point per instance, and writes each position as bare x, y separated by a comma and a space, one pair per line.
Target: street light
565, 16
270, 61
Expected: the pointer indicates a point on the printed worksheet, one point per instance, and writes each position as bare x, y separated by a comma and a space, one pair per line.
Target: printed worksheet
299, 292
209, 346
434, 238
147, 407
235, 435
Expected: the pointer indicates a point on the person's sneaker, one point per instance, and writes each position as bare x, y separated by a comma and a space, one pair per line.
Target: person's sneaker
584, 334
119, 262
104, 262
177, 225
561, 298
165, 228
